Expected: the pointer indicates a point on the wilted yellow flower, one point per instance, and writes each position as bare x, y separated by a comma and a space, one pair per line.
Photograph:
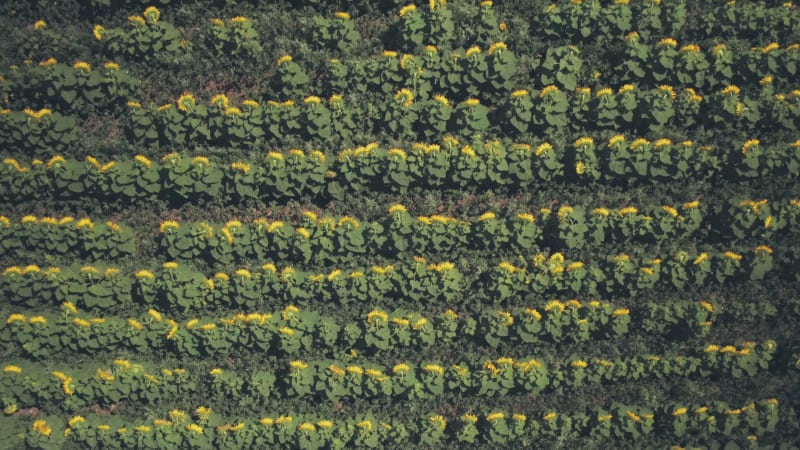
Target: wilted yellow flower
690, 48
487, 216
98, 32
661, 143
244, 273
31, 269
495, 416
543, 148
41, 427
155, 315
136, 20
770, 47
81, 322
441, 99
731, 89
506, 317
144, 274
604, 92
41, 320
691, 205
750, 144
12, 369
633, 416
152, 13
621, 312
472, 418
702, 257
732, 255
764, 249
622, 257
669, 90
377, 314
497, 47
474, 50
556, 305
408, 9
430, 368
668, 42
233, 111
419, 324
355, 370
82, 65
547, 90
670, 210
273, 155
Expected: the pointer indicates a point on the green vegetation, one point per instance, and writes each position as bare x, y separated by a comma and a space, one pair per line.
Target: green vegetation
230, 224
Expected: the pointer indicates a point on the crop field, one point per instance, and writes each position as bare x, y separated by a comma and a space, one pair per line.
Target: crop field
319, 224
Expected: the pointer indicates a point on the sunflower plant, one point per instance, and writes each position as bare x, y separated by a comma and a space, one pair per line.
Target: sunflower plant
399, 115
336, 33
657, 107
471, 117
561, 66
435, 115
78, 87
32, 131
291, 79
187, 178
236, 38
147, 38
433, 25
549, 113
487, 26
518, 111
